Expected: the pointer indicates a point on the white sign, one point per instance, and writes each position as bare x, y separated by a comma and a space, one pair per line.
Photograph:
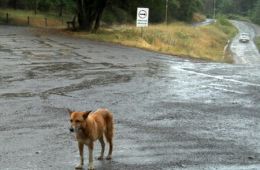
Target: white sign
142, 17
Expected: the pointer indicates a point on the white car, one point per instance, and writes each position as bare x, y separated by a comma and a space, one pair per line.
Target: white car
244, 37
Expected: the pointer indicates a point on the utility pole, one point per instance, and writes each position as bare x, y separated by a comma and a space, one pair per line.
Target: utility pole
35, 7
214, 8
166, 12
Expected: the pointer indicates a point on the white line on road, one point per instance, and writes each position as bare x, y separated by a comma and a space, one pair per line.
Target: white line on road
217, 77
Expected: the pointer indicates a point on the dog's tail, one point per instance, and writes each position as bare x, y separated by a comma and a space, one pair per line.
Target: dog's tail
110, 126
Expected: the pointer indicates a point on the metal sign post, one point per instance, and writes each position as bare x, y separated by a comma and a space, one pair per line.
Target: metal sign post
142, 17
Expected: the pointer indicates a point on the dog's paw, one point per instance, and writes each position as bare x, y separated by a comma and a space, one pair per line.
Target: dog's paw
100, 158
79, 166
109, 157
91, 166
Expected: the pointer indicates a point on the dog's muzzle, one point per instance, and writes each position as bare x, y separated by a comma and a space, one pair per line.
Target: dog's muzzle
71, 130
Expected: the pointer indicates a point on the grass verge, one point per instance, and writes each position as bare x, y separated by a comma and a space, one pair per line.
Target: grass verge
206, 42
20, 17
257, 42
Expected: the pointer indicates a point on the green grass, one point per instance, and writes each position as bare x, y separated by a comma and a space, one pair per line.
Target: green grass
224, 25
257, 42
238, 17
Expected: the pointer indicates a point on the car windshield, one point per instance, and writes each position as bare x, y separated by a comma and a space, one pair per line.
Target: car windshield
244, 34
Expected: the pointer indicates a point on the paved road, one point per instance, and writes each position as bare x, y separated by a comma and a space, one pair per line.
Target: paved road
245, 53
170, 113
207, 21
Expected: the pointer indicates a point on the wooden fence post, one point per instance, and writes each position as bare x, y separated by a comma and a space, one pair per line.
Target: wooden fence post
46, 24
28, 20
7, 18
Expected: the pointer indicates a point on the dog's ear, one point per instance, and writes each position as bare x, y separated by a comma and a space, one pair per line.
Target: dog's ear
70, 111
85, 115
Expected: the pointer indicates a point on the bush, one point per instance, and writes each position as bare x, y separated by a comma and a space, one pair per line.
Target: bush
116, 15
224, 25
44, 5
238, 17
4, 3
256, 14
257, 41
108, 17
223, 20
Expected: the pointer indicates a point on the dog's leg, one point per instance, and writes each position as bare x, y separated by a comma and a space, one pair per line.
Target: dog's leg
90, 151
109, 156
101, 140
81, 150
110, 141
109, 133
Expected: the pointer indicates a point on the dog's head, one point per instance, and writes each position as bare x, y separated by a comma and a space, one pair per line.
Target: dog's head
77, 120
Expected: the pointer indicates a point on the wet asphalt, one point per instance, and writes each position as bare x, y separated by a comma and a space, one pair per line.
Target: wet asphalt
245, 53
170, 113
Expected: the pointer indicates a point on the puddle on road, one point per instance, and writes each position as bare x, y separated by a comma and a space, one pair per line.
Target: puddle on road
3, 49
86, 84
57, 67
43, 43
217, 167
39, 54
11, 95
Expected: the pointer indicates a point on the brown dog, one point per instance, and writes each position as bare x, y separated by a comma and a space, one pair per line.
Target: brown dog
90, 126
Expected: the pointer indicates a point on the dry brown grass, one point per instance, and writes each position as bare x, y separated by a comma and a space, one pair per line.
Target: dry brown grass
179, 39
197, 17
20, 17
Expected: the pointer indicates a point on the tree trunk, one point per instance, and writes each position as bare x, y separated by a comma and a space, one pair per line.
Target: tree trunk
61, 6
35, 7
89, 13
13, 4
100, 10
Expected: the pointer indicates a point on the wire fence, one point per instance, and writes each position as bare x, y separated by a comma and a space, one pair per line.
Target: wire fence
39, 20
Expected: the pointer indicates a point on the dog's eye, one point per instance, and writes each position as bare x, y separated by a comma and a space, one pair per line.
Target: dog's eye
70, 120
77, 121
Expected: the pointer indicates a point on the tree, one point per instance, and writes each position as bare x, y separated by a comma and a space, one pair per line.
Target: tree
208, 8
226, 6
13, 3
89, 13
187, 8
240, 7
256, 15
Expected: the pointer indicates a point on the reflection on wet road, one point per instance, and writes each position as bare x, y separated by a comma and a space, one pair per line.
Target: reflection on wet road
170, 113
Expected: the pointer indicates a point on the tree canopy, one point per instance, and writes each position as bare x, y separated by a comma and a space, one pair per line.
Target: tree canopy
256, 14
90, 13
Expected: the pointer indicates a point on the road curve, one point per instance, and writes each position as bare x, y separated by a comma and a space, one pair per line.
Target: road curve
170, 113
244, 53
